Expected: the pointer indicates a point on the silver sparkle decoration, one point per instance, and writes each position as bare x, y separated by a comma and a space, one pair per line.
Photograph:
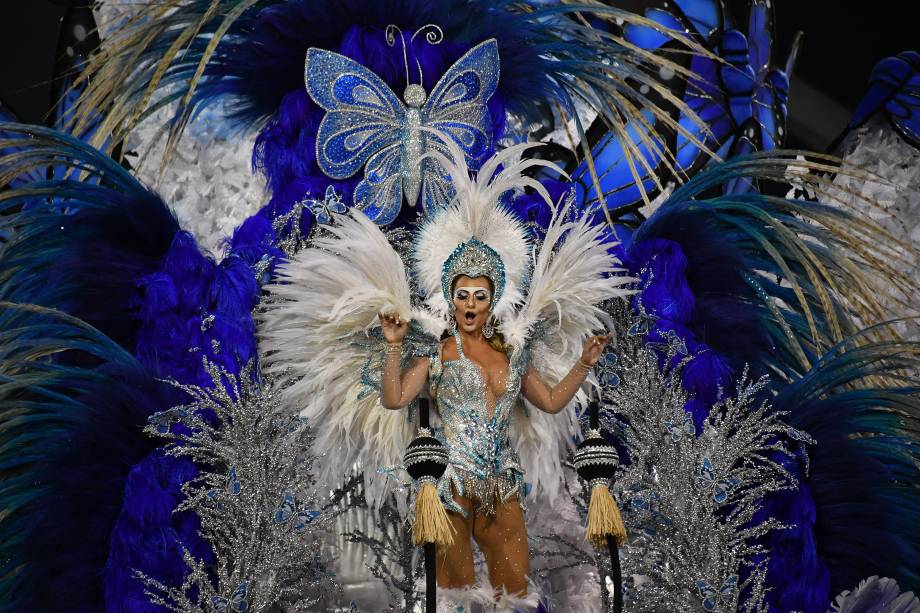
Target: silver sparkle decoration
251, 495
689, 501
287, 228
393, 557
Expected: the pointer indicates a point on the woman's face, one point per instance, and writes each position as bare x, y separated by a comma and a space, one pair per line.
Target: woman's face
472, 297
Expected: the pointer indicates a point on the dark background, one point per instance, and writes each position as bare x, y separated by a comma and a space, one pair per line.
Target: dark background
843, 40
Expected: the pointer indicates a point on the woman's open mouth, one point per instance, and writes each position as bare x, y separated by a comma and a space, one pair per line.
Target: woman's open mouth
469, 316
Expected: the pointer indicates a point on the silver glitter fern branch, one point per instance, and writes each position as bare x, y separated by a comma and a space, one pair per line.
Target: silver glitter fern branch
252, 497
691, 499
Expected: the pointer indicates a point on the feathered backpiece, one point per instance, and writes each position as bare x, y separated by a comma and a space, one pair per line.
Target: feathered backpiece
313, 342
573, 275
318, 336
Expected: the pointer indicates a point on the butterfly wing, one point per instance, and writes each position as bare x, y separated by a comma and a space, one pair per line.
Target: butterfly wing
320, 213
895, 86
160, 421
379, 194
238, 600
363, 114
707, 594
707, 474
334, 202
305, 517
287, 509
437, 188
689, 426
457, 104
234, 487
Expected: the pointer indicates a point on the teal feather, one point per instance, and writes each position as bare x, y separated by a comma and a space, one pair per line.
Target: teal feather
82, 235
861, 404
750, 253
58, 417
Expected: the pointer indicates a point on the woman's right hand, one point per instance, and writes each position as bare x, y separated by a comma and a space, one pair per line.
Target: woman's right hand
394, 327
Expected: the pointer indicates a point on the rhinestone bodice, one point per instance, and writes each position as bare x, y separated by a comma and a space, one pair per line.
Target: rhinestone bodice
482, 462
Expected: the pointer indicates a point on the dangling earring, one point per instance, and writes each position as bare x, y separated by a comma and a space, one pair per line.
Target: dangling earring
453, 319
489, 329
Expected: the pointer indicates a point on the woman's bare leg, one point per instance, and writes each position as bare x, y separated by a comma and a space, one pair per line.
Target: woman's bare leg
502, 538
455, 563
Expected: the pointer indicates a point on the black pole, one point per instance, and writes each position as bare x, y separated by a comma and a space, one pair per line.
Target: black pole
615, 570
431, 569
616, 574
431, 583
593, 419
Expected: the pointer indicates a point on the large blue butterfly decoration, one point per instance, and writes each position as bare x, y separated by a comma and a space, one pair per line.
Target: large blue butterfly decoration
366, 124
740, 98
894, 86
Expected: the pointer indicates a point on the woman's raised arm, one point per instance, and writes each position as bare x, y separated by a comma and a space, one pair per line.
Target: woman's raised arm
553, 399
399, 387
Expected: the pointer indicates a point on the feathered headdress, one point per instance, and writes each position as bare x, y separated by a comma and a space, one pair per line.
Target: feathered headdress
476, 235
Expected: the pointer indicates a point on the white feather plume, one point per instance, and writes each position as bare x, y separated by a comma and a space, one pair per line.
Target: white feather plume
324, 296
476, 212
573, 274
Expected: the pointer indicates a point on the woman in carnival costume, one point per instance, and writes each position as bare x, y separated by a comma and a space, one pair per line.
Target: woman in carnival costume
480, 339
740, 277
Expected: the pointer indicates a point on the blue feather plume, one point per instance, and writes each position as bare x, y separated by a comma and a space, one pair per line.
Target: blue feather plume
861, 405
80, 241
68, 436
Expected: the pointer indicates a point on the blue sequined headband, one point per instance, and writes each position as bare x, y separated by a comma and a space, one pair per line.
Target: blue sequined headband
473, 258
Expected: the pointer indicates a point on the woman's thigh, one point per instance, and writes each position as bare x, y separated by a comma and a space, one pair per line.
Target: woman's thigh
503, 541
455, 563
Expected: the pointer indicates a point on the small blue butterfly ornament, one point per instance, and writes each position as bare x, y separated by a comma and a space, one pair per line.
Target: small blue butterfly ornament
685, 427
163, 420
711, 482
711, 596
366, 124
323, 209
287, 512
237, 601
234, 486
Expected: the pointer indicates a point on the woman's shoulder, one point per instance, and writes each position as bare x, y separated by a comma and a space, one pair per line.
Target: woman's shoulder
449, 349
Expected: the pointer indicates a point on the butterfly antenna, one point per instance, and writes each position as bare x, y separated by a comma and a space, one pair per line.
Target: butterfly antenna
433, 36
391, 31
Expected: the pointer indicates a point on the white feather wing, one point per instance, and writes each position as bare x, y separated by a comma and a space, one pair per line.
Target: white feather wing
325, 297
573, 275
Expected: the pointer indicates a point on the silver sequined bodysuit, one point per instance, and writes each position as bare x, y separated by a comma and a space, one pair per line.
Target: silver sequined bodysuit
482, 463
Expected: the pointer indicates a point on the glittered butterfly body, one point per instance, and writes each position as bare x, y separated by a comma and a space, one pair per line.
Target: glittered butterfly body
366, 124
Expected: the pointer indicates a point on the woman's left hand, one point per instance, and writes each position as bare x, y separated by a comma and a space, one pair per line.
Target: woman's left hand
594, 348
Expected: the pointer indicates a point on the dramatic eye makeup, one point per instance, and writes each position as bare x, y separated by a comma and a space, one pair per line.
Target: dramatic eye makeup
480, 293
